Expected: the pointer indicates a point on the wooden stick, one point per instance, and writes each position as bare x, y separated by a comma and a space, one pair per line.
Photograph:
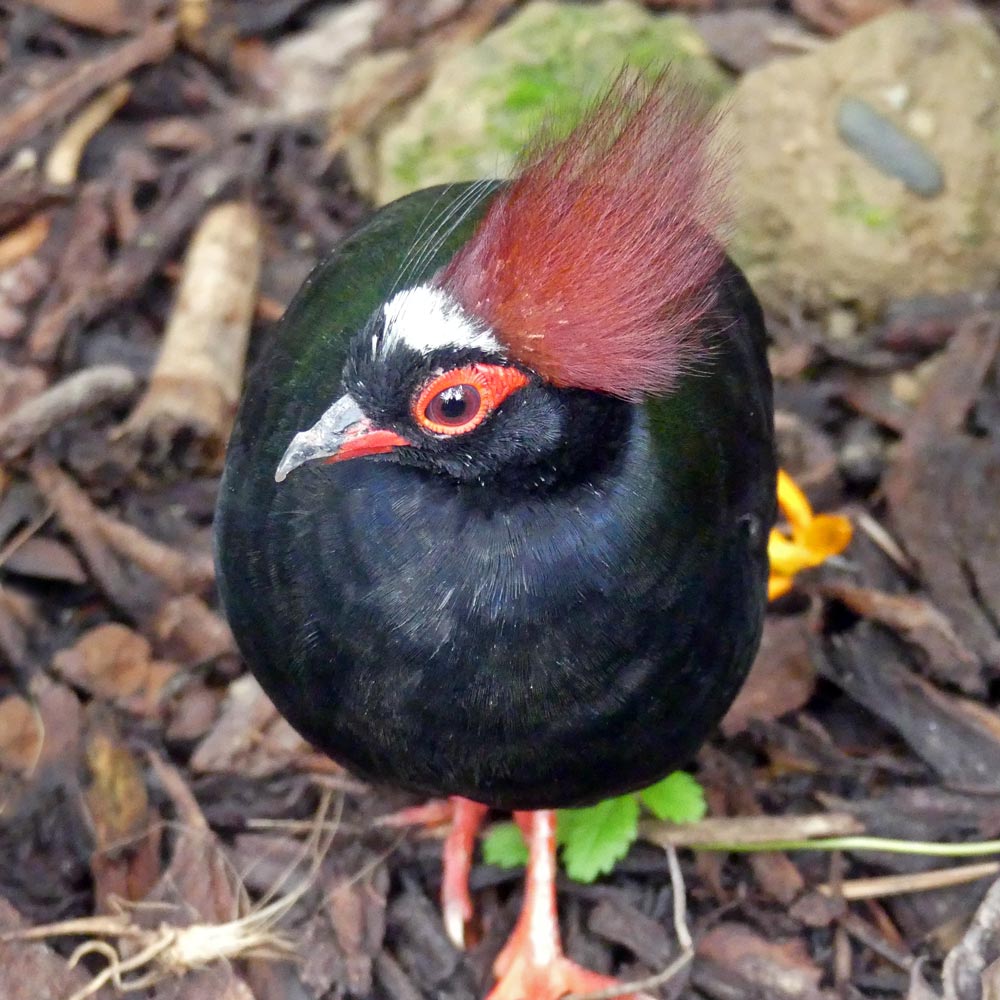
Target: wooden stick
63, 161
81, 392
182, 572
24, 241
195, 384
896, 885
749, 829
77, 516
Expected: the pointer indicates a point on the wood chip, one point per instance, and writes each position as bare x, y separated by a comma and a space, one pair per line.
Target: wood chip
32, 971
942, 493
83, 263
782, 966
945, 656
960, 739
78, 517
195, 385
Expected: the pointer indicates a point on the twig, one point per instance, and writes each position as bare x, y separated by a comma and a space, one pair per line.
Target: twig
77, 516
748, 830
637, 986
163, 229
80, 393
182, 572
170, 951
29, 117
82, 264
24, 241
897, 885
196, 383
679, 900
63, 161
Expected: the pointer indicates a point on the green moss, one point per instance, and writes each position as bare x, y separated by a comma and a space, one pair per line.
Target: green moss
851, 205
541, 66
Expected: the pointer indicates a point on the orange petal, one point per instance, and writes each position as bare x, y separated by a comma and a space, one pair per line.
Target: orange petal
787, 556
827, 535
793, 501
777, 586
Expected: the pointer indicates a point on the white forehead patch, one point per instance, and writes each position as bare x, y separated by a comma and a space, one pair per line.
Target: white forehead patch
426, 319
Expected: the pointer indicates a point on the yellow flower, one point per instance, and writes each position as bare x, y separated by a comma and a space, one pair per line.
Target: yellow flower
814, 537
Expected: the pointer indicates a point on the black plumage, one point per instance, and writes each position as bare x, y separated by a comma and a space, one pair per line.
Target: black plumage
552, 609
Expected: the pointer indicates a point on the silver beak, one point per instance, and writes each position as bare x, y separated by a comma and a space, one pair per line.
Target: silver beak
323, 440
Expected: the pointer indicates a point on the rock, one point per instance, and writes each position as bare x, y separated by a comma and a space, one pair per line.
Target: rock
824, 225
484, 101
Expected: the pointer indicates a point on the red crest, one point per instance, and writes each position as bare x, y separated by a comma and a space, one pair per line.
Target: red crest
595, 265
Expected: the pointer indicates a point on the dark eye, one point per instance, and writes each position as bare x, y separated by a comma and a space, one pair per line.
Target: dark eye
454, 406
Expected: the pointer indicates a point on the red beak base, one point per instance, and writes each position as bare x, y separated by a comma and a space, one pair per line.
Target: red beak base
367, 441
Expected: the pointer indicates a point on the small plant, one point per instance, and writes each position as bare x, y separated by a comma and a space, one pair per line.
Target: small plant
594, 839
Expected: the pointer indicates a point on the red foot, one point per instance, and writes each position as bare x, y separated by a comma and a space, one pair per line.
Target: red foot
524, 980
532, 965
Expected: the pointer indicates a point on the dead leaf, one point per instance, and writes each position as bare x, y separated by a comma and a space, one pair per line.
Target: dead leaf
250, 738
782, 678
188, 631
126, 859
46, 559
783, 966
21, 735
115, 663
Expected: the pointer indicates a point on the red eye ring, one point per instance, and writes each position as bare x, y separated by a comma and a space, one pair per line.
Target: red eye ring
493, 383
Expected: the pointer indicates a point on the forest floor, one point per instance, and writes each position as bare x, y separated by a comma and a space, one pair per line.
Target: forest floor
140, 763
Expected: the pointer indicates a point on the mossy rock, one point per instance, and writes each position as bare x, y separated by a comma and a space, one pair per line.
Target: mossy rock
822, 225
543, 65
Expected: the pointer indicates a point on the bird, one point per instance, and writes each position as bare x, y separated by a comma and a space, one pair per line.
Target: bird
493, 521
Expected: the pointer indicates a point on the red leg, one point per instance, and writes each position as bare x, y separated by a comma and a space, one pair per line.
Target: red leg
465, 817
532, 965
456, 903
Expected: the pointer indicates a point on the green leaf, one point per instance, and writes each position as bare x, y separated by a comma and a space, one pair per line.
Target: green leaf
504, 846
593, 839
678, 798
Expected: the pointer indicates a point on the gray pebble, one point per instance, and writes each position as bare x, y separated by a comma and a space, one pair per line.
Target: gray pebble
888, 148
